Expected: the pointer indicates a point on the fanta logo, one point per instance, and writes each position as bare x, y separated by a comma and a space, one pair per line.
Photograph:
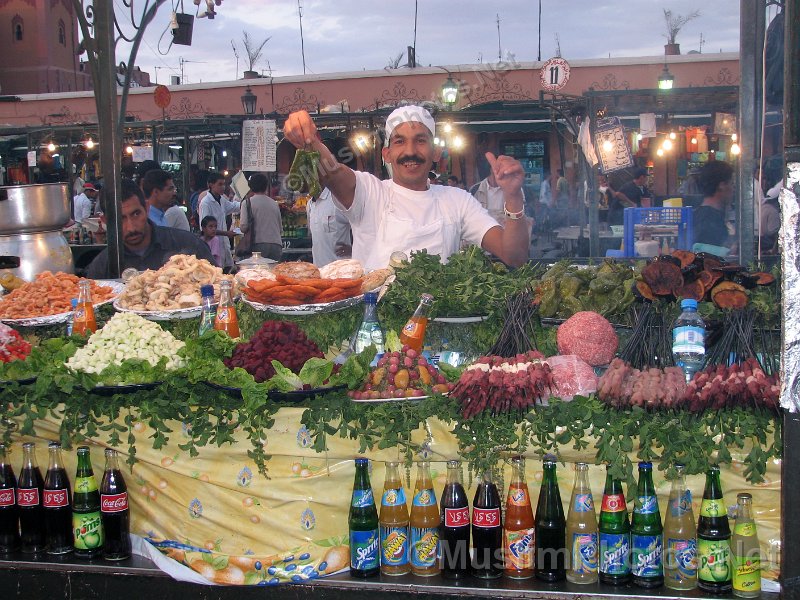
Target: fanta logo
55, 498
222, 314
518, 496
486, 517
28, 497
6, 497
426, 546
114, 503
521, 546
394, 548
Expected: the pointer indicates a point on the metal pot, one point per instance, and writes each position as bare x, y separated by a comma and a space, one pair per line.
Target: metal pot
37, 252
30, 208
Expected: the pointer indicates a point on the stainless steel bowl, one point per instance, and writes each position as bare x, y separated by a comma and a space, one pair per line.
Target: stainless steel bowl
32, 208
41, 251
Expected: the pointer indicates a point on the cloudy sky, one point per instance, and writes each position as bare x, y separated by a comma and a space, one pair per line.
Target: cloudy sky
348, 35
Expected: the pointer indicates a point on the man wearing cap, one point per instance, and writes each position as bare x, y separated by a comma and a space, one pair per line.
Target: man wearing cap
406, 213
82, 203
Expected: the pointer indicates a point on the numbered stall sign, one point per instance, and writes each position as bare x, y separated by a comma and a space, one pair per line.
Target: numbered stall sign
554, 74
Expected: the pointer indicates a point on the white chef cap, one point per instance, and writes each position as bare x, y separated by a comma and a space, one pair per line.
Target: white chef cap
406, 114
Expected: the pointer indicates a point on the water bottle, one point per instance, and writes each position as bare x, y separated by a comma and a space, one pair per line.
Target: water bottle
688, 339
70, 322
370, 331
209, 310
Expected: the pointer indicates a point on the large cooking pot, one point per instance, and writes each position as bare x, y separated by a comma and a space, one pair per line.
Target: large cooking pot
37, 252
29, 208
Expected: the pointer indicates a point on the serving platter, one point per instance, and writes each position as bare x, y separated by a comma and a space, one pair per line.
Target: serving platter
129, 388
460, 320
176, 314
116, 286
307, 309
23, 381
382, 400
278, 396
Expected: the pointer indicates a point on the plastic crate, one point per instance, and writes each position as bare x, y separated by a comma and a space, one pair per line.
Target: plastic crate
676, 223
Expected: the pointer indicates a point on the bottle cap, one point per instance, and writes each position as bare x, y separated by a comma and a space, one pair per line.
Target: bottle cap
360, 462
688, 303
207, 290
645, 465
370, 298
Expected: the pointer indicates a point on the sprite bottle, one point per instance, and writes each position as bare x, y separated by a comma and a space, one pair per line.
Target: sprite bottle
713, 539
646, 542
363, 522
615, 563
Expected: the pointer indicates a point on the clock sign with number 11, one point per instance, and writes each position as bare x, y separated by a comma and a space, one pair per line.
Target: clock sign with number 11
554, 74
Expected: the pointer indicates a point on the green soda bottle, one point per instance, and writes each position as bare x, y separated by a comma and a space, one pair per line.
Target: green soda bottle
363, 522
87, 524
713, 539
745, 550
646, 539
615, 563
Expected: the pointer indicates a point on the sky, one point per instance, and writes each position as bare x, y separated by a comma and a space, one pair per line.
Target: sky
354, 35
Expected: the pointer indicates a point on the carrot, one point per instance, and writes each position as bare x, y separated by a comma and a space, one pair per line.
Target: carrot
348, 283
306, 290
261, 285
331, 292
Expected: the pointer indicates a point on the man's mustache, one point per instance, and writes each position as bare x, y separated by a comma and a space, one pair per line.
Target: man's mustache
415, 158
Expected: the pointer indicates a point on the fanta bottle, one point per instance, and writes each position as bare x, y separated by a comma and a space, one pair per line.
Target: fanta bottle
413, 332
518, 531
424, 547
394, 523
83, 319
226, 319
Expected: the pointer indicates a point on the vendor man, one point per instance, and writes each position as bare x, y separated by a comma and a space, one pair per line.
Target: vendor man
146, 245
405, 213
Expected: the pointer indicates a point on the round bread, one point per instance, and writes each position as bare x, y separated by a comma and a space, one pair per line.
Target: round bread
375, 279
346, 268
297, 270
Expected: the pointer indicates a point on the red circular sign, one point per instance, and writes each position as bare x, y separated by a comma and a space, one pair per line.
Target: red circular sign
554, 74
162, 96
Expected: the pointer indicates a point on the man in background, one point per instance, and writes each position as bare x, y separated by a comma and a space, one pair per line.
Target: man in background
330, 230
159, 188
82, 203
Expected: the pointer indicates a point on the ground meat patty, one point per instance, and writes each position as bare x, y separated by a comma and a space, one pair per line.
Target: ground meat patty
571, 376
297, 270
589, 336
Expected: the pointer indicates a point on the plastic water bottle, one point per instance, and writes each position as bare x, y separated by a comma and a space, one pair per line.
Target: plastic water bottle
209, 310
71, 322
370, 331
688, 339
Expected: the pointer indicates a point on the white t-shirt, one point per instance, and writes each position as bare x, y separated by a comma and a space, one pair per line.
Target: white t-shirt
328, 226
386, 217
82, 208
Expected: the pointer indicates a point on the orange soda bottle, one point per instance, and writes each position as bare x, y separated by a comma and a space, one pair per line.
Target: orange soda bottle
226, 319
413, 332
83, 319
518, 530
424, 548
394, 523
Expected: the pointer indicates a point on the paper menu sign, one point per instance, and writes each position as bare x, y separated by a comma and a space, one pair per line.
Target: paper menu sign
611, 145
258, 145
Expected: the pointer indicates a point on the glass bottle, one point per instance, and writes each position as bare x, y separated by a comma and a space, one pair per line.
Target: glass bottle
29, 501
713, 539
370, 332
394, 524
9, 514
56, 501
114, 510
413, 332
424, 548
83, 319
454, 525
688, 339
582, 541
551, 527
226, 319
518, 525
680, 533
615, 563
646, 533
745, 550
87, 522
487, 530
363, 524
208, 312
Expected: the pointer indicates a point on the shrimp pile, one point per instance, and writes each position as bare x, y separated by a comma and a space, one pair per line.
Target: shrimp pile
49, 294
175, 285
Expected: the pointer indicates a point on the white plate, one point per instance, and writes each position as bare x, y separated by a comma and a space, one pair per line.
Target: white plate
116, 286
460, 320
379, 400
307, 309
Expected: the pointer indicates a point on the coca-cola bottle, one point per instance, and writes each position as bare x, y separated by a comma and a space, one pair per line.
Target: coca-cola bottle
487, 530
29, 502
57, 509
114, 510
9, 516
454, 528
87, 524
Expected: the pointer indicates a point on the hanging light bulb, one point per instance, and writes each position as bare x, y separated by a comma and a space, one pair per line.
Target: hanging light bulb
458, 142
734, 137
660, 152
667, 145
51, 147
89, 144
672, 135
639, 136
735, 150
608, 146
448, 127
694, 140
129, 149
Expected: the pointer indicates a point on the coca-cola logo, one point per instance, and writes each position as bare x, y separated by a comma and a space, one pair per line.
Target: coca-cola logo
56, 498
112, 503
28, 496
456, 517
486, 517
6, 497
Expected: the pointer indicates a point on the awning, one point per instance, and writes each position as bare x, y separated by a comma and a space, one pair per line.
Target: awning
511, 126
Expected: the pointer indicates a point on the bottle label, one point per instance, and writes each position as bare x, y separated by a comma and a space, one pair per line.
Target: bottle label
681, 556
647, 505
646, 555
55, 498
682, 504
425, 498
28, 496
615, 553
518, 497
518, 549
583, 503
456, 517
424, 546
747, 573
613, 503
713, 508
114, 503
394, 545
87, 530
7, 497
714, 560
362, 498
745, 529
393, 497
584, 553
486, 517
688, 339
364, 549
223, 315
85, 484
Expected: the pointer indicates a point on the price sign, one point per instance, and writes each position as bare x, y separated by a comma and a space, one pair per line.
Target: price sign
258, 145
611, 145
554, 74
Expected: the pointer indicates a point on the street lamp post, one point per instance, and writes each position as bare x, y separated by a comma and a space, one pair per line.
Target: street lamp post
449, 93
